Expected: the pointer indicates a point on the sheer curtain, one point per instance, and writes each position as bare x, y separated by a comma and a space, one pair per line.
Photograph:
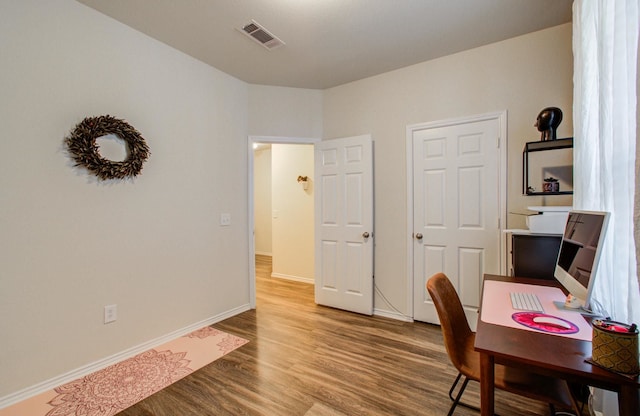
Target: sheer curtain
605, 47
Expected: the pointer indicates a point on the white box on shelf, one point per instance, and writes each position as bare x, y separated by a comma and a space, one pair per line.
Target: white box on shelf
549, 220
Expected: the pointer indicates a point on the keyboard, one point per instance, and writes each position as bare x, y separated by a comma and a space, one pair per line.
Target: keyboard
525, 302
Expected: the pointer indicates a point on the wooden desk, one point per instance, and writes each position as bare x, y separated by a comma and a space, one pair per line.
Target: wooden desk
552, 355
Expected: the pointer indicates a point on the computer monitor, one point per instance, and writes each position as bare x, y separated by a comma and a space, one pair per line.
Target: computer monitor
580, 249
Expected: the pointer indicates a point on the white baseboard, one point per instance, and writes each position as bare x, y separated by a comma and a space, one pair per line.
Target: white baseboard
47, 385
292, 277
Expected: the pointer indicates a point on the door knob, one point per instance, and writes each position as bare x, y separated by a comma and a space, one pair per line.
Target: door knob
419, 236
365, 234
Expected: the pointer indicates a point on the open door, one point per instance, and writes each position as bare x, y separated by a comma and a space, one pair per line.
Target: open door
344, 224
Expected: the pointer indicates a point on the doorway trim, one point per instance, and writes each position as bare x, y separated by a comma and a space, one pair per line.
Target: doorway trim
501, 117
251, 203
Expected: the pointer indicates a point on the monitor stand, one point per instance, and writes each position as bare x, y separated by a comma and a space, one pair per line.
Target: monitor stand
573, 305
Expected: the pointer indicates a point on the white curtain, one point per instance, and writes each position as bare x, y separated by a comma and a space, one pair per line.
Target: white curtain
605, 46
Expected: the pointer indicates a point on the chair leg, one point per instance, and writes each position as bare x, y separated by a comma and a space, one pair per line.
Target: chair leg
456, 401
453, 386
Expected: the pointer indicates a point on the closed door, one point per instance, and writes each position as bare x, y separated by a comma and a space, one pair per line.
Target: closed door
456, 210
344, 224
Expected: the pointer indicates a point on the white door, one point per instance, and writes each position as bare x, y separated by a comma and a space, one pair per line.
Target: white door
344, 224
456, 210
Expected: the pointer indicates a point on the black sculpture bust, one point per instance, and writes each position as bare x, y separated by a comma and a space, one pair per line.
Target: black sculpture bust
547, 123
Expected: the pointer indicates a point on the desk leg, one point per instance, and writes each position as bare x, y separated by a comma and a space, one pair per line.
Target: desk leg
487, 370
628, 400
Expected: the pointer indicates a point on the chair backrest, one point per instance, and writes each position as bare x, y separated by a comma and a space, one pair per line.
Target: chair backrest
455, 328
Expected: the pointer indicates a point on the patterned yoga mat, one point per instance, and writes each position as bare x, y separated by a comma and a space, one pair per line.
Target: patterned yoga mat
121, 385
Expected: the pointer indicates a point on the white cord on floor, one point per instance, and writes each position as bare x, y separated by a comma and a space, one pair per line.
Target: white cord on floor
379, 292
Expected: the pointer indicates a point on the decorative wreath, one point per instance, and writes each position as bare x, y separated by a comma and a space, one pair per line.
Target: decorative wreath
83, 148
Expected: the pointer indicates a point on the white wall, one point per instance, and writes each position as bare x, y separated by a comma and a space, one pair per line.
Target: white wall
70, 245
285, 112
262, 200
293, 212
637, 195
520, 75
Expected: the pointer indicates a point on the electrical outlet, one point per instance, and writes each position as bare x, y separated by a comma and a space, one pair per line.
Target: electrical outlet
225, 219
110, 313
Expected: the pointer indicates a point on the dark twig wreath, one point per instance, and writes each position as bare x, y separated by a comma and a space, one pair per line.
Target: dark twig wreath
84, 150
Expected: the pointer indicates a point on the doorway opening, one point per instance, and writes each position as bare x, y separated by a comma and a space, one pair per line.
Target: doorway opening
286, 214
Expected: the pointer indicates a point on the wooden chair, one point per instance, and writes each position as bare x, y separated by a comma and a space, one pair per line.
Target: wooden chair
459, 341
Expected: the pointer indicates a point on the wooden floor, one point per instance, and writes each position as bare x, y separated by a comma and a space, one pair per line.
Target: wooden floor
305, 359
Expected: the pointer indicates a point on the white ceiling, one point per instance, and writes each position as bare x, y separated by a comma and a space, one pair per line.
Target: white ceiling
330, 42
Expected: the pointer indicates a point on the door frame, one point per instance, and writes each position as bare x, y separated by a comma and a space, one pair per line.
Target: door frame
251, 203
501, 117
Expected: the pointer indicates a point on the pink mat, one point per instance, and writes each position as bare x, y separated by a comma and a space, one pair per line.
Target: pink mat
497, 309
113, 389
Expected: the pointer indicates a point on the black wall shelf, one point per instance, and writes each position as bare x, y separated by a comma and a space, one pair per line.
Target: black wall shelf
541, 146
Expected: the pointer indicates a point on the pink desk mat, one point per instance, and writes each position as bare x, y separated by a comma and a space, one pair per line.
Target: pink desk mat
497, 309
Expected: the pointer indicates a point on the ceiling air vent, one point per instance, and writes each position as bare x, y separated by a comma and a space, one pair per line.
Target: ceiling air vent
261, 35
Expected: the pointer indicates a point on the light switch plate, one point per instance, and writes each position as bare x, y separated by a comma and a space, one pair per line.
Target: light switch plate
110, 313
